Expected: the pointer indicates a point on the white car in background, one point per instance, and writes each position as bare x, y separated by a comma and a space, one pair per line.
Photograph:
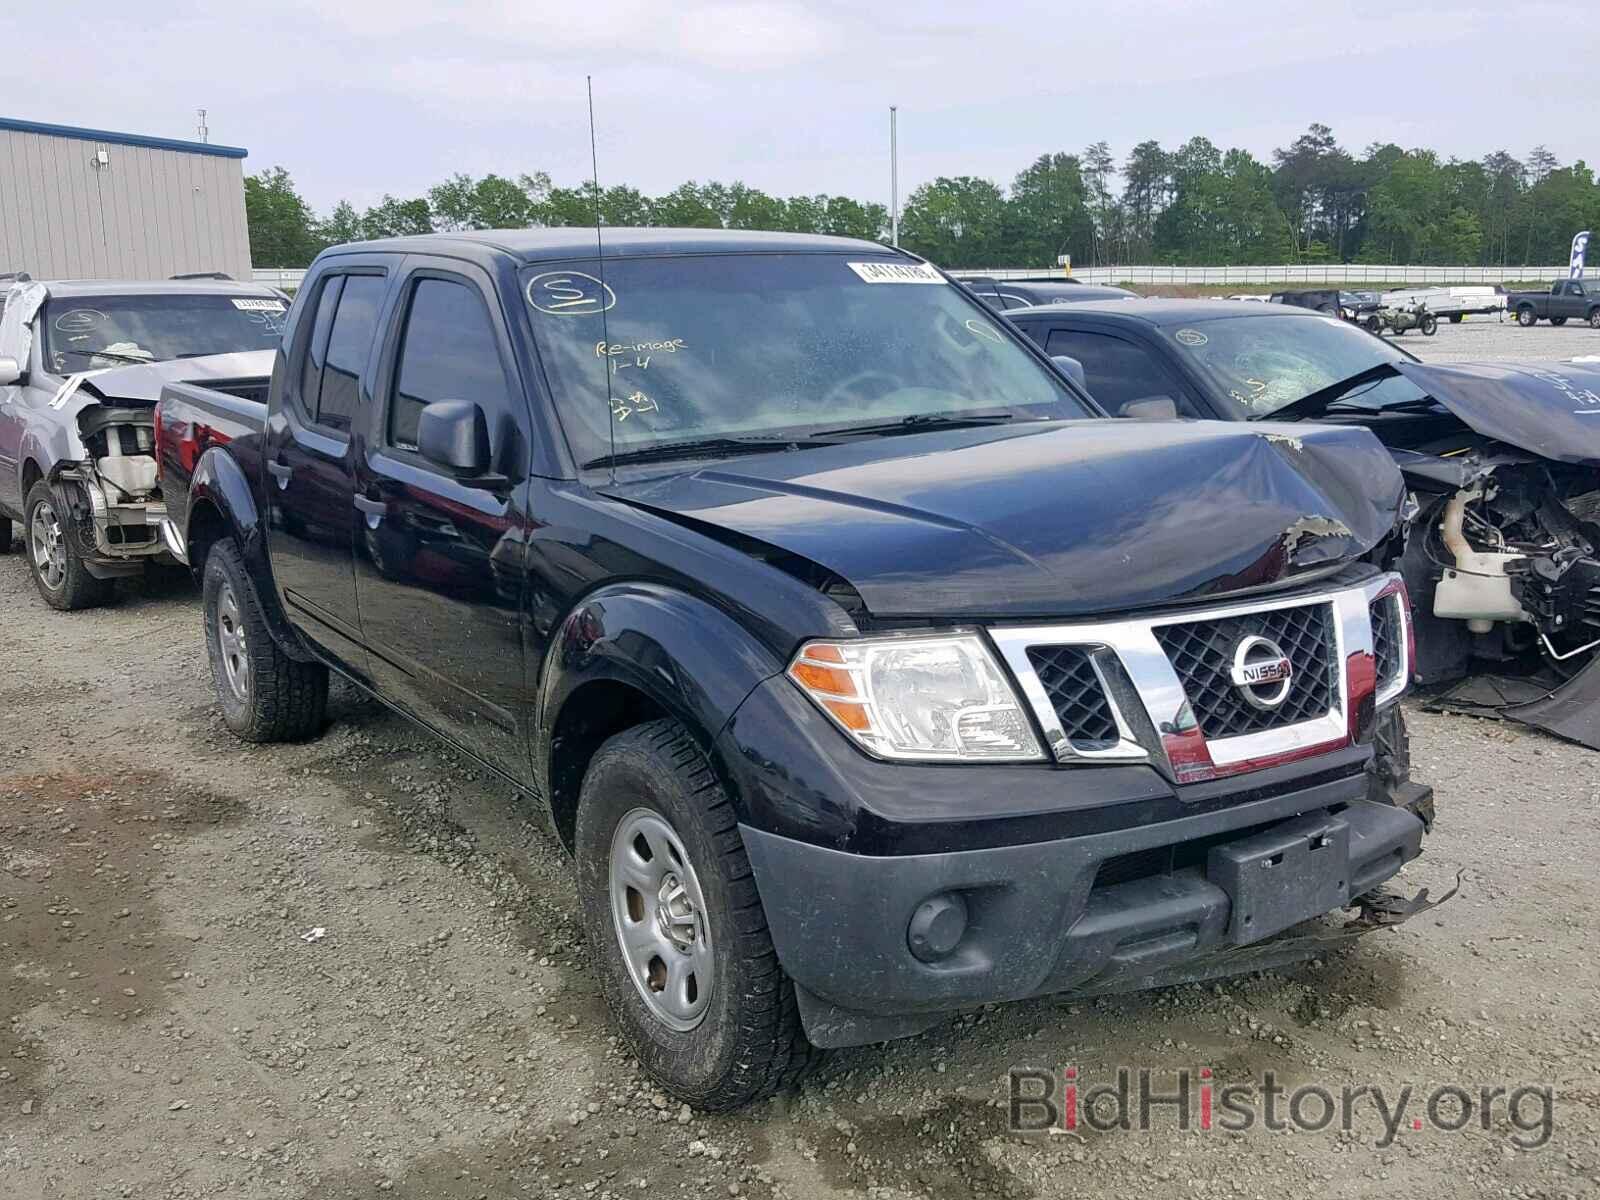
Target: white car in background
82, 363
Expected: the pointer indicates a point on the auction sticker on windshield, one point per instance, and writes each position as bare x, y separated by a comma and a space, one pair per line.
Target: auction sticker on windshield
893, 272
276, 306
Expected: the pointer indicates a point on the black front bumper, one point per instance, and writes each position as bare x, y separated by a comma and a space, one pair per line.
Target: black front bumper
1107, 911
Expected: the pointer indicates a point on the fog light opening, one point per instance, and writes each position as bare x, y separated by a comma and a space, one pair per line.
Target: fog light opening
937, 927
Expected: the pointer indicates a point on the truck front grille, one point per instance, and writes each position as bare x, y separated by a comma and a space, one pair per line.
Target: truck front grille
1200, 694
1202, 652
1070, 681
1387, 652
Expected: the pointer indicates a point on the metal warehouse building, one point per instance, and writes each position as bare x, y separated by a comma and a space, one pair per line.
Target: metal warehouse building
88, 204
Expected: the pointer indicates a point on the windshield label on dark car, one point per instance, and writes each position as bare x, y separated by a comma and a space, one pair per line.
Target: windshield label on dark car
894, 272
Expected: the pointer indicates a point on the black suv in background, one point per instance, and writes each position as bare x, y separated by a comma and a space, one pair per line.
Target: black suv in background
1003, 294
866, 669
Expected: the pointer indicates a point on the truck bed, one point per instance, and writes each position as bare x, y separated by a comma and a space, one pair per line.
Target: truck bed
191, 419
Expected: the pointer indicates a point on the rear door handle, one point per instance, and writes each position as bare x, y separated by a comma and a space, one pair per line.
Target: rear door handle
281, 472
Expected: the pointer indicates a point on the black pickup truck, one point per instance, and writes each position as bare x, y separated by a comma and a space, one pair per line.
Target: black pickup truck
1567, 300
866, 669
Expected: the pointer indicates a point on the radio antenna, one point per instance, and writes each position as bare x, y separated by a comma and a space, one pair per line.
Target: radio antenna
605, 294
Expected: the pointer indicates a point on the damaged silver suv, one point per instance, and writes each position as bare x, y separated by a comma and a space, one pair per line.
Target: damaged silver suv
82, 364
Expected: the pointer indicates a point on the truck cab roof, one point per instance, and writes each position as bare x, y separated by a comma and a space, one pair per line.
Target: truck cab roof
569, 242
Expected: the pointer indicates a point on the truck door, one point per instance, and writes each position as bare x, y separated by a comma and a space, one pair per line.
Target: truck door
439, 556
309, 461
1573, 301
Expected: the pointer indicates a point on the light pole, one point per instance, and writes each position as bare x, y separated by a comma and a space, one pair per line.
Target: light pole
894, 181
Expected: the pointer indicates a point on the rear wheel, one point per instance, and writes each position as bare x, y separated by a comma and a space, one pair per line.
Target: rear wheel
1526, 317
59, 571
1558, 320
5, 535
1372, 325
265, 695
672, 915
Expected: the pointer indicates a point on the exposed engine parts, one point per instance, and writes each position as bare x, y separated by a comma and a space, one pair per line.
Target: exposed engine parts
116, 500
1514, 556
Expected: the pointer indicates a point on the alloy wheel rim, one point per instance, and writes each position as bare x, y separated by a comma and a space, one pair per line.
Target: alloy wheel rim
659, 914
231, 643
49, 547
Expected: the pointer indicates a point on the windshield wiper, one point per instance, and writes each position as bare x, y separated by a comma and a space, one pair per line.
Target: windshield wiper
1319, 401
916, 423
127, 358
701, 448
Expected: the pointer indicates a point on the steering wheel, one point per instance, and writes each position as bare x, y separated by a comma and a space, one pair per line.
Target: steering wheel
853, 386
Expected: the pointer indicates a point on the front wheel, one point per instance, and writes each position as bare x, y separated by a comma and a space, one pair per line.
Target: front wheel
59, 571
1372, 325
265, 695
1526, 317
5, 535
1594, 318
1429, 325
672, 915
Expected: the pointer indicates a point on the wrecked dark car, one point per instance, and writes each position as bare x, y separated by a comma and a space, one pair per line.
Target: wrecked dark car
867, 671
1500, 460
82, 364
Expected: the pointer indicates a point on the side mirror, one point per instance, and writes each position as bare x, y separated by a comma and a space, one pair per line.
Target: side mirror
1072, 368
1151, 408
10, 371
454, 434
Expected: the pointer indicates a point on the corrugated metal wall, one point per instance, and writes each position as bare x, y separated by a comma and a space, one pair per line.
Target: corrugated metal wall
147, 214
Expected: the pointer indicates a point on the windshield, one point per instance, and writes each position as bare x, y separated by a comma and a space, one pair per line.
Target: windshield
86, 333
768, 346
1263, 363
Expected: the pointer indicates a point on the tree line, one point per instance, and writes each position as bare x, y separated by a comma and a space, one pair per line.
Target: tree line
1315, 202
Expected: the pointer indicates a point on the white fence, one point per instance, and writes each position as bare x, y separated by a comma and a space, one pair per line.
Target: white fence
1289, 273
279, 277
290, 277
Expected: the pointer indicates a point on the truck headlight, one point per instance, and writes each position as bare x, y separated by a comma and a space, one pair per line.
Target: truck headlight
932, 698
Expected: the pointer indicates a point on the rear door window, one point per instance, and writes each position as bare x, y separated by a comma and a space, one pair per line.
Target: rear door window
355, 324
317, 348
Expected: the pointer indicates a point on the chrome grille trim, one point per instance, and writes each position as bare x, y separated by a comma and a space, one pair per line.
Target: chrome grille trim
1134, 643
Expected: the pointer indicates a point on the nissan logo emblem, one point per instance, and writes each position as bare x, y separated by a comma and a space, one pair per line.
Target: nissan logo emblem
1261, 672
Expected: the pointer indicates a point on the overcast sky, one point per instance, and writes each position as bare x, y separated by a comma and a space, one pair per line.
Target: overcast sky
362, 97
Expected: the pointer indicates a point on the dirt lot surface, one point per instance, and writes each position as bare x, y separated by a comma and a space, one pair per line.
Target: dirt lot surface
1482, 338
351, 968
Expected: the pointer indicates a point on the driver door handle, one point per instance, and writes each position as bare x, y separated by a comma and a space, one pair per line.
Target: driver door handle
281, 472
373, 508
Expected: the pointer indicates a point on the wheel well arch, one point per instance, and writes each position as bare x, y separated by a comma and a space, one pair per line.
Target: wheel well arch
32, 472
593, 713
207, 526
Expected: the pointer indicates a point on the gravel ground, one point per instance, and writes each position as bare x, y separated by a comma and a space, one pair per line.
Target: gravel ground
171, 1025
1484, 338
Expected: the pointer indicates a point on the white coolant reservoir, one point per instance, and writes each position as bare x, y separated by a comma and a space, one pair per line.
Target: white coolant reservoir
1478, 589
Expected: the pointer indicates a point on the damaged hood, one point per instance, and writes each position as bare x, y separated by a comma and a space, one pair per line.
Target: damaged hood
1052, 519
1548, 409
143, 383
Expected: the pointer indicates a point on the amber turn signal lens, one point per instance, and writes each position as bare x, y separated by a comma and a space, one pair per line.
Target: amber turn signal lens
851, 716
824, 679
